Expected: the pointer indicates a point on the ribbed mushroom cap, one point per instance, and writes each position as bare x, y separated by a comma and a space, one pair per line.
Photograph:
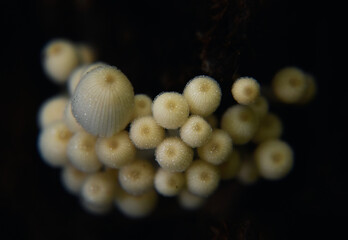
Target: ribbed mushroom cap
245, 90
240, 122
174, 155
116, 151
81, 152
103, 101
52, 143
289, 84
170, 110
169, 183
202, 178
274, 159
145, 133
52, 110
70, 120
99, 188
203, 95
196, 131
137, 177
60, 58
217, 149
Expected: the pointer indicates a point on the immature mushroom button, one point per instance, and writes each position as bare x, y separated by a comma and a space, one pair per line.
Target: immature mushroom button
203, 95
81, 152
217, 149
274, 159
60, 58
72, 179
169, 183
137, 177
99, 189
202, 178
52, 143
52, 110
196, 131
174, 155
116, 151
170, 110
289, 84
245, 90
240, 122
146, 133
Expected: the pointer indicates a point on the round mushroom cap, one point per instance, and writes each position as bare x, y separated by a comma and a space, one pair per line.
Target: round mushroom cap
170, 110
245, 90
203, 95
202, 178
103, 101
60, 58
274, 159
289, 84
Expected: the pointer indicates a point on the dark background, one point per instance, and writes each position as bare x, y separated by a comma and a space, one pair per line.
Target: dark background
160, 46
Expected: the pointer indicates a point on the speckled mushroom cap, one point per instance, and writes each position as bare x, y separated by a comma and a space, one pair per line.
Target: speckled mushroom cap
245, 90
203, 94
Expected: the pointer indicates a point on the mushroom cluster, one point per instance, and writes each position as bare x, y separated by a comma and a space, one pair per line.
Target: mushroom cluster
117, 148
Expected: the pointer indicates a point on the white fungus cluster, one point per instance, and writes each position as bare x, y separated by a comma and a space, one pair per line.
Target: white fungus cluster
98, 133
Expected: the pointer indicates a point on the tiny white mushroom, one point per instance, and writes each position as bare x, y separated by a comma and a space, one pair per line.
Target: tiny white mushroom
52, 143
103, 101
170, 110
60, 58
137, 177
217, 149
245, 90
169, 183
52, 110
116, 151
274, 159
196, 131
203, 95
174, 155
81, 152
146, 133
99, 189
202, 178
240, 122
289, 84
